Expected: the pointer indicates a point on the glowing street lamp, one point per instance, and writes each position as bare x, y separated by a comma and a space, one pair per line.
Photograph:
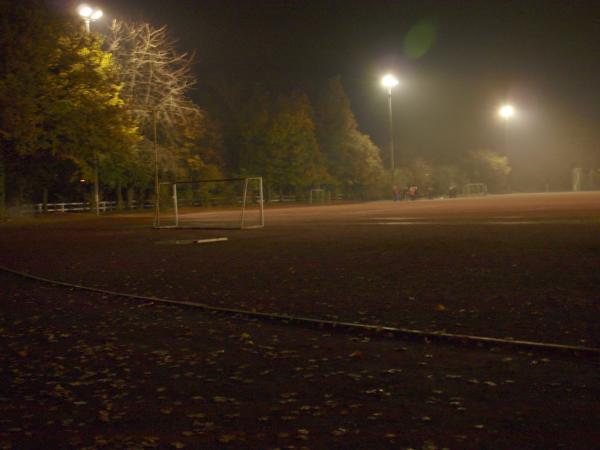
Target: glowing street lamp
389, 82
89, 14
506, 112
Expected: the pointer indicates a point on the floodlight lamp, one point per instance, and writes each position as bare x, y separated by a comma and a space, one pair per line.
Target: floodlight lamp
96, 14
506, 112
85, 11
389, 81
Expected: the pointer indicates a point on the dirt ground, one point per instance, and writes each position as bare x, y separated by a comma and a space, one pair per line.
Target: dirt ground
90, 370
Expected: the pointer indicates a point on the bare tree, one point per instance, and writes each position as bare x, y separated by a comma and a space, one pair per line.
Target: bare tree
155, 82
156, 78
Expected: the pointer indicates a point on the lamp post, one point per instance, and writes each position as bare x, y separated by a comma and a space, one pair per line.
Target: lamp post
389, 81
506, 113
156, 178
89, 14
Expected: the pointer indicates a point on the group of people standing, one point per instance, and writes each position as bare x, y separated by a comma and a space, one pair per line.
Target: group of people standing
411, 192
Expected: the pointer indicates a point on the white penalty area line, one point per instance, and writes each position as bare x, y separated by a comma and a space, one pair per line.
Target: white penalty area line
475, 222
194, 241
384, 331
208, 241
524, 222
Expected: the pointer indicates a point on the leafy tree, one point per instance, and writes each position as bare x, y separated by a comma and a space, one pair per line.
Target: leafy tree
295, 152
250, 150
351, 157
87, 121
446, 176
200, 151
24, 45
422, 173
485, 166
243, 112
59, 94
403, 177
280, 144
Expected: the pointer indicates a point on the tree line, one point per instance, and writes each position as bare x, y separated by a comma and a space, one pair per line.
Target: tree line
73, 105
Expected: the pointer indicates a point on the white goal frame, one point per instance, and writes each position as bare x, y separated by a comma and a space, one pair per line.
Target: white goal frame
475, 189
317, 194
242, 225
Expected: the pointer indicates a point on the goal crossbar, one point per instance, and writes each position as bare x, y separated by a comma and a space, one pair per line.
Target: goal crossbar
256, 193
215, 180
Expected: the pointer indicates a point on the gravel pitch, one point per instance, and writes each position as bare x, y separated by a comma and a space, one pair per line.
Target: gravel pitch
89, 370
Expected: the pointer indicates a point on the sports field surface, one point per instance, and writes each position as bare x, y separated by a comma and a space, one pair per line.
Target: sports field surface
89, 369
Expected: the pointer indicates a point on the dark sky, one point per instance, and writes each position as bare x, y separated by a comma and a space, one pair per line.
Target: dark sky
544, 56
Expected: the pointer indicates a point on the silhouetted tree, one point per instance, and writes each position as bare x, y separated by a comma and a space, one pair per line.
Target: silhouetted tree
485, 166
351, 157
278, 142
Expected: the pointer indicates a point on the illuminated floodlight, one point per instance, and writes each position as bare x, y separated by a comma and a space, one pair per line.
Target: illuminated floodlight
85, 11
96, 14
506, 112
389, 81
89, 14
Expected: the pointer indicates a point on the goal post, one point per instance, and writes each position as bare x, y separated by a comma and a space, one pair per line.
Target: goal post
228, 203
475, 189
318, 196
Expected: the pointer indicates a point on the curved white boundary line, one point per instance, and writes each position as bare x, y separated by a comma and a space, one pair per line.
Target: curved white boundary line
395, 332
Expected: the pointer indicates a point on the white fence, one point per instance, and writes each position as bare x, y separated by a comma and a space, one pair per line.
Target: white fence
38, 208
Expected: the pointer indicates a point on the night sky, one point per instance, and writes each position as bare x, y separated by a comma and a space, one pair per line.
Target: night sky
458, 60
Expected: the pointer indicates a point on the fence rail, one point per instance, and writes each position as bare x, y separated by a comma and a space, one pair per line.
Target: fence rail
39, 208
65, 207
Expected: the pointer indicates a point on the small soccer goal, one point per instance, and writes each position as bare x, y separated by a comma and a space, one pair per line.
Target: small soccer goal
475, 189
232, 203
317, 196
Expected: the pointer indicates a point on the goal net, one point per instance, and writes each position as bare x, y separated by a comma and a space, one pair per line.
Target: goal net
474, 189
317, 196
232, 203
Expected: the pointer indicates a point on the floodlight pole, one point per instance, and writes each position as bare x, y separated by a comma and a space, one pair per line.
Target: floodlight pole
392, 163
156, 181
87, 15
96, 184
389, 81
506, 113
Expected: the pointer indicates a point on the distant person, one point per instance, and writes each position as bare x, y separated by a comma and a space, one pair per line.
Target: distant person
452, 191
396, 193
413, 192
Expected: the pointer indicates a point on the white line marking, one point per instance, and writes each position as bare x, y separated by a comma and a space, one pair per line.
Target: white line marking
399, 218
477, 222
206, 241
366, 211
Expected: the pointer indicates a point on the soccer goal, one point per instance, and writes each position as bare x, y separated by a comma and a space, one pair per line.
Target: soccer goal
317, 196
232, 203
474, 189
